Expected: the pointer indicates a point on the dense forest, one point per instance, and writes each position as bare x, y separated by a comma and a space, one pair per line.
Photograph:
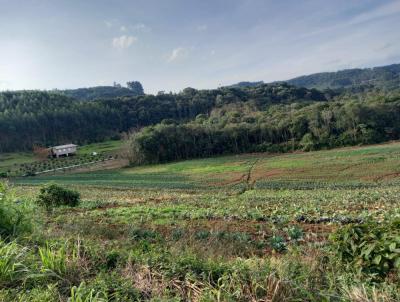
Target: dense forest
29, 118
275, 117
242, 127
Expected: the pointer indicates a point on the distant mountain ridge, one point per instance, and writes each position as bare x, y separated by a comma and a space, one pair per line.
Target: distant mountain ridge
357, 79
384, 77
134, 88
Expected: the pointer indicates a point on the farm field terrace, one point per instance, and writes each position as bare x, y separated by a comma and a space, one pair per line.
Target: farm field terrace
348, 167
254, 227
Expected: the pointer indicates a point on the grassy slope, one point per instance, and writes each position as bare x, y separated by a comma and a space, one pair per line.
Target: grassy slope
8, 160
154, 215
346, 166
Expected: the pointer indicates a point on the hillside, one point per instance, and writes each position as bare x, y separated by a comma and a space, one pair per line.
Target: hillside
350, 80
99, 92
48, 118
384, 77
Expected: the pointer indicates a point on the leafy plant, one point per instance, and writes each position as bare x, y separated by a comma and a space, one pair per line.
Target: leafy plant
278, 243
294, 232
202, 235
53, 195
371, 248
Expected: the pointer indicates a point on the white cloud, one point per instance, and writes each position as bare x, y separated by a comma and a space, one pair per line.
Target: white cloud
178, 53
122, 28
123, 42
140, 27
202, 27
109, 24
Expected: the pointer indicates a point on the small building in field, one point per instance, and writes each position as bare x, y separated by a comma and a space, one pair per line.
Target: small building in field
63, 150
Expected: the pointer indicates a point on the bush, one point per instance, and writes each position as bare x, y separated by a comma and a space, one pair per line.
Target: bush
371, 248
54, 196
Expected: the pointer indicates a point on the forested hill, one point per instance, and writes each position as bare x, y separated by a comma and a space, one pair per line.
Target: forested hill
133, 88
385, 77
239, 128
98, 92
28, 118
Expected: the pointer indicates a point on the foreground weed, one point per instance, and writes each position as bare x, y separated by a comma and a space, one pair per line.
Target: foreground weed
54, 260
11, 263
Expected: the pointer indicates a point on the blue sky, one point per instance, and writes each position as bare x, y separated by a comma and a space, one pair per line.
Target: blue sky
172, 44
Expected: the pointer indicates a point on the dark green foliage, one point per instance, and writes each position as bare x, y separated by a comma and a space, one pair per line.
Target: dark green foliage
138, 233
177, 234
295, 233
371, 248
54, 196
49, 118
243, 127
385, 77
202, 235
278, 243
136, 87
101, 92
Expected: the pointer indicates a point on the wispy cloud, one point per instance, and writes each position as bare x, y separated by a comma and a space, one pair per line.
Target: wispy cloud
385, 10
123, 42
202, 27
140, 27
109, 24
177, 53
122, 28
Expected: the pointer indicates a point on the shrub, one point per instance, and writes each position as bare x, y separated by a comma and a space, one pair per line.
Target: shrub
371, 248
54, 195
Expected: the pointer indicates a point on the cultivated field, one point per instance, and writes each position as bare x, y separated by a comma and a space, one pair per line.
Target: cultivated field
253, 227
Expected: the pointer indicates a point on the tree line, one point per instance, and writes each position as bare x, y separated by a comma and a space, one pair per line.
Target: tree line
29, 118
241, 127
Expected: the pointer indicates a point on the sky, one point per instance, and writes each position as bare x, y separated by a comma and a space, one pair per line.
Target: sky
172, 44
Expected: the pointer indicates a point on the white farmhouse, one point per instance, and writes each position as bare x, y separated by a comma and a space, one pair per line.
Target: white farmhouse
63, 150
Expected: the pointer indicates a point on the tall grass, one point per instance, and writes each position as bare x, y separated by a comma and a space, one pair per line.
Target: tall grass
16, 216
11, 263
